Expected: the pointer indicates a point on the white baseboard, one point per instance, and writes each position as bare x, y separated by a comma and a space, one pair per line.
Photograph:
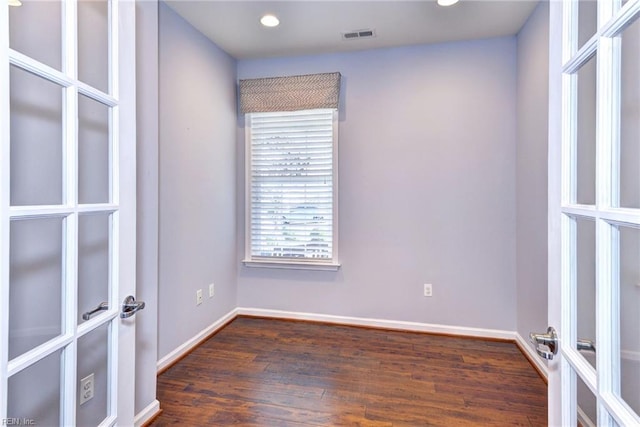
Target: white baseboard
630, 355
379, 323
147, 413
194, 341
533, 356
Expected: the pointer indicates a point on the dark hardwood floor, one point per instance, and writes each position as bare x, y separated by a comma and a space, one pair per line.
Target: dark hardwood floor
258, 372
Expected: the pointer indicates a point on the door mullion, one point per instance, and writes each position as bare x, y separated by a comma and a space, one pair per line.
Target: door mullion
68, 381
607, 141
567, 224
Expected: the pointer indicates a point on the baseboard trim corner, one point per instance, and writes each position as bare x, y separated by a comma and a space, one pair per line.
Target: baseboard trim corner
494, 334
148, 414
533, 357
170, 359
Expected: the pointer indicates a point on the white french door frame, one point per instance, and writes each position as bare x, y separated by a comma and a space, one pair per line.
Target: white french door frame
121, 207
565, 60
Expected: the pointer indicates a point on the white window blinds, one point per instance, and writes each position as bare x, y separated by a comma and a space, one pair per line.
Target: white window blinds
291, 174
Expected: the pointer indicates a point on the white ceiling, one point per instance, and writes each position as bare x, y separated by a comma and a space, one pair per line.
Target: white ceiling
312, 27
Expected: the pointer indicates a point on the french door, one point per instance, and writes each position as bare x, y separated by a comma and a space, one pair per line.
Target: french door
594, 213
67, 212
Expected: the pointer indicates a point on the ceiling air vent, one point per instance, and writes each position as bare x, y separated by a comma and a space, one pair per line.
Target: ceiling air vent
358, 34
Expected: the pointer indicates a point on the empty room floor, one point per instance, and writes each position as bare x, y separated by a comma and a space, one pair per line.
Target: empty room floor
265, 372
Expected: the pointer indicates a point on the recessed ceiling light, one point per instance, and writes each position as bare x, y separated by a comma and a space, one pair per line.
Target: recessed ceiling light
447, 2
269, 21
15, 3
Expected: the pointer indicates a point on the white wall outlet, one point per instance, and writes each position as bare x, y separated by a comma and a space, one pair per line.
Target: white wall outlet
212, 290
428, 290
199, 297
86, 389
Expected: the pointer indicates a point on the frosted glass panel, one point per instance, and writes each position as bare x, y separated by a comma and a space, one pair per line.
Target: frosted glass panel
36, 140
586, 284
35, 283
93, 262
34, 393
93, 359
93, 43
587, 404
587, 20
586, 144
93, 151
34, 29
630, 118
630, 316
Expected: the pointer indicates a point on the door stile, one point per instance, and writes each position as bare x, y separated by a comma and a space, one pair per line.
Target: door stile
4, 206
556, 411
124, 172
114, 198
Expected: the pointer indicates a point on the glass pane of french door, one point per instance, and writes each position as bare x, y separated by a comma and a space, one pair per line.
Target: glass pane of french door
630, 316
35, 275
601, 207
36, 139
630, 117
40, 382
41, 42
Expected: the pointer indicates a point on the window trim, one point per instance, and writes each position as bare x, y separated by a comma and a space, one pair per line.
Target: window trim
330, 264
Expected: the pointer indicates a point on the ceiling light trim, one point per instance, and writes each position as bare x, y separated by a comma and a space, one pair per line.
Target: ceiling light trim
269, 20
445, 3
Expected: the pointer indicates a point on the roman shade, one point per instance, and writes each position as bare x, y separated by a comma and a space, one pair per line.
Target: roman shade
291, 93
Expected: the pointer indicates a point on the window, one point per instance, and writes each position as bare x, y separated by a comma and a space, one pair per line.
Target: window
291, 189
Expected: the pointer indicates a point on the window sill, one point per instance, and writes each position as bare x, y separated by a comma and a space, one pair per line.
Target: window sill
291, 265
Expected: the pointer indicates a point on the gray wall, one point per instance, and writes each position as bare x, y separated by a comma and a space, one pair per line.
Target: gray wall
197, 216
531, 172
427, 188
147, 207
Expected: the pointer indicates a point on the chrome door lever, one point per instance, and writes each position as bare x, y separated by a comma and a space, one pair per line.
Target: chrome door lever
130, 306
102, 306
549, 340
586, 345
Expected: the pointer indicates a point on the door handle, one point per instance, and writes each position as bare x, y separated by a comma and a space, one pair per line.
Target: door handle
130, 306
102, 306
549, 340
586, 345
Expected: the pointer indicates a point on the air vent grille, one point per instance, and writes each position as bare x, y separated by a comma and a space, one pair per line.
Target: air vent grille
358, 34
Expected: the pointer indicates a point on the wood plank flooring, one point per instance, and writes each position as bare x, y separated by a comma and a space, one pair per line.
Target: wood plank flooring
263, 372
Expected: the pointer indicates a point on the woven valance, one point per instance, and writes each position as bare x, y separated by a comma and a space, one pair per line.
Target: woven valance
290, 93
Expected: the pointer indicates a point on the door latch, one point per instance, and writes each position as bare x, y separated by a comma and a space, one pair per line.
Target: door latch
130, 306
548, 340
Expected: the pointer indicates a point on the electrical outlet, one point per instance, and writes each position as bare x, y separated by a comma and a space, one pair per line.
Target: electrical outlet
199, 297
428, 290
212, 290
86, 389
